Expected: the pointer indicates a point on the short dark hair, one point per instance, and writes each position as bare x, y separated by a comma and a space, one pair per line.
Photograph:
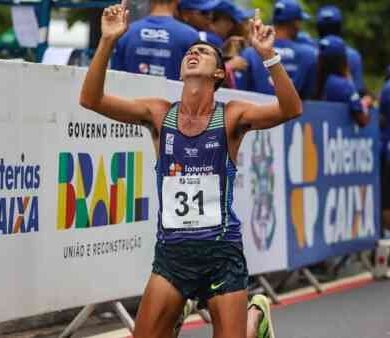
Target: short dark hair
219, 59
325, 29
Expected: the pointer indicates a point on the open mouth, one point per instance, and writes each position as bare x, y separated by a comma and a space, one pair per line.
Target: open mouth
192, 61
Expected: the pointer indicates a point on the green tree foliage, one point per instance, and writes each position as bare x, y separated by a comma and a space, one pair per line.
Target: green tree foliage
5, 18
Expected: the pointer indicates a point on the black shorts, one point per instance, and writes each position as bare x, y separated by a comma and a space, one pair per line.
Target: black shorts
202, 269
385, 183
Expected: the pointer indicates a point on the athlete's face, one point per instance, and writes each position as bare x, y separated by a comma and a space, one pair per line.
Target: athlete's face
201, 61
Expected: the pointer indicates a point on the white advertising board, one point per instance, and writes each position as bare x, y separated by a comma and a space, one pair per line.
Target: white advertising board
77, 193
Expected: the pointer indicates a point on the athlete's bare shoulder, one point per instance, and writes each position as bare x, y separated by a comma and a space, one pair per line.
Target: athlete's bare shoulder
233, 111
158, 105
158, 109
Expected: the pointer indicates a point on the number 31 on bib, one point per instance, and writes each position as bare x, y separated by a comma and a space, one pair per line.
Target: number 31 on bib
191, 202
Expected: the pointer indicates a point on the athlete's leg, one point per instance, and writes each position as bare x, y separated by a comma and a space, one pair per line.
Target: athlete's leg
229, 314
159, 309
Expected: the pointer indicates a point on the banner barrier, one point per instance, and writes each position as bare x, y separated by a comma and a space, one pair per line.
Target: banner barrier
332, 184
78, 203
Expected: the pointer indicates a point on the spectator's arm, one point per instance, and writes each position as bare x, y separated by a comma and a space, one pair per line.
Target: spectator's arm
237, 63
360, 115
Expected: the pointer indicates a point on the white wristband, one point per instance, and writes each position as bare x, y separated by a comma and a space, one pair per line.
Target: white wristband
272, 61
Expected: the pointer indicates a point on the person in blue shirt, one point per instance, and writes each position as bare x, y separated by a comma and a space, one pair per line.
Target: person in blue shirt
226, 18
305, 38
385, 153
329, 22
198, 14
216, 20
230, 23
156, 44
334, 84
299, 60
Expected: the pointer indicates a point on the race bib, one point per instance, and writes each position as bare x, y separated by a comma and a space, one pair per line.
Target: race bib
191, 202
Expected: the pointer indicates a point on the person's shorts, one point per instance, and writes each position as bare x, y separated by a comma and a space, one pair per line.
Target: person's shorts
385, 183
202, 269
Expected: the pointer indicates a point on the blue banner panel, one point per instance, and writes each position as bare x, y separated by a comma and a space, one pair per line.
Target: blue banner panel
332, 184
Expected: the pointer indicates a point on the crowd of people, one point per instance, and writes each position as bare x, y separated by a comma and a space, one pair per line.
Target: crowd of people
327, 69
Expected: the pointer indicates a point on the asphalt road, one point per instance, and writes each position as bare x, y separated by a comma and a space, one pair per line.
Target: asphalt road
357, 313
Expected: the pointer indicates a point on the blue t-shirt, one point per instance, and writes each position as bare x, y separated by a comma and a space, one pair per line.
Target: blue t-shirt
154, 45
385, 112
341, 89
305, 39
355, 65
300, 62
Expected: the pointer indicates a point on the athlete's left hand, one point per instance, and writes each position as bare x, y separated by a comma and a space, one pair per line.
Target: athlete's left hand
262, 38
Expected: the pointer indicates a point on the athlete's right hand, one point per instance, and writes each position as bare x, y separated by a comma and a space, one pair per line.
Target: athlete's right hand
115, 20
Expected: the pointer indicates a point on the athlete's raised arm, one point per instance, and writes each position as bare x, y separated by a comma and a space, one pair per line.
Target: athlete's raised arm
114, 24
288, 104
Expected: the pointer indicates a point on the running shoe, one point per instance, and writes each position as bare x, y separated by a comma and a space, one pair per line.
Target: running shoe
188, 308
265, 328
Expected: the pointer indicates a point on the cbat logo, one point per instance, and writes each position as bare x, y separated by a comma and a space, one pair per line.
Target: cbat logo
170, 138
303, 171
87, 197
155, 35
191, 152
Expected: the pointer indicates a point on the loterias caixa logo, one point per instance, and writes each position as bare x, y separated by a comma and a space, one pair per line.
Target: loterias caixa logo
331, 184
88, 197
19, 201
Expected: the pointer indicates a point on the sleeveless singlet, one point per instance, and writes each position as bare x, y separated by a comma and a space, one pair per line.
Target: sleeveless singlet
195, 177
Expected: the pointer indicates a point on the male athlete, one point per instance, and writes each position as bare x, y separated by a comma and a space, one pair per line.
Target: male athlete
199, 250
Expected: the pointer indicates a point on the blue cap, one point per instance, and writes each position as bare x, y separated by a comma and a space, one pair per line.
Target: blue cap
247, 14
288, 10
200, 5
235, 12
329, 15
332, 45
